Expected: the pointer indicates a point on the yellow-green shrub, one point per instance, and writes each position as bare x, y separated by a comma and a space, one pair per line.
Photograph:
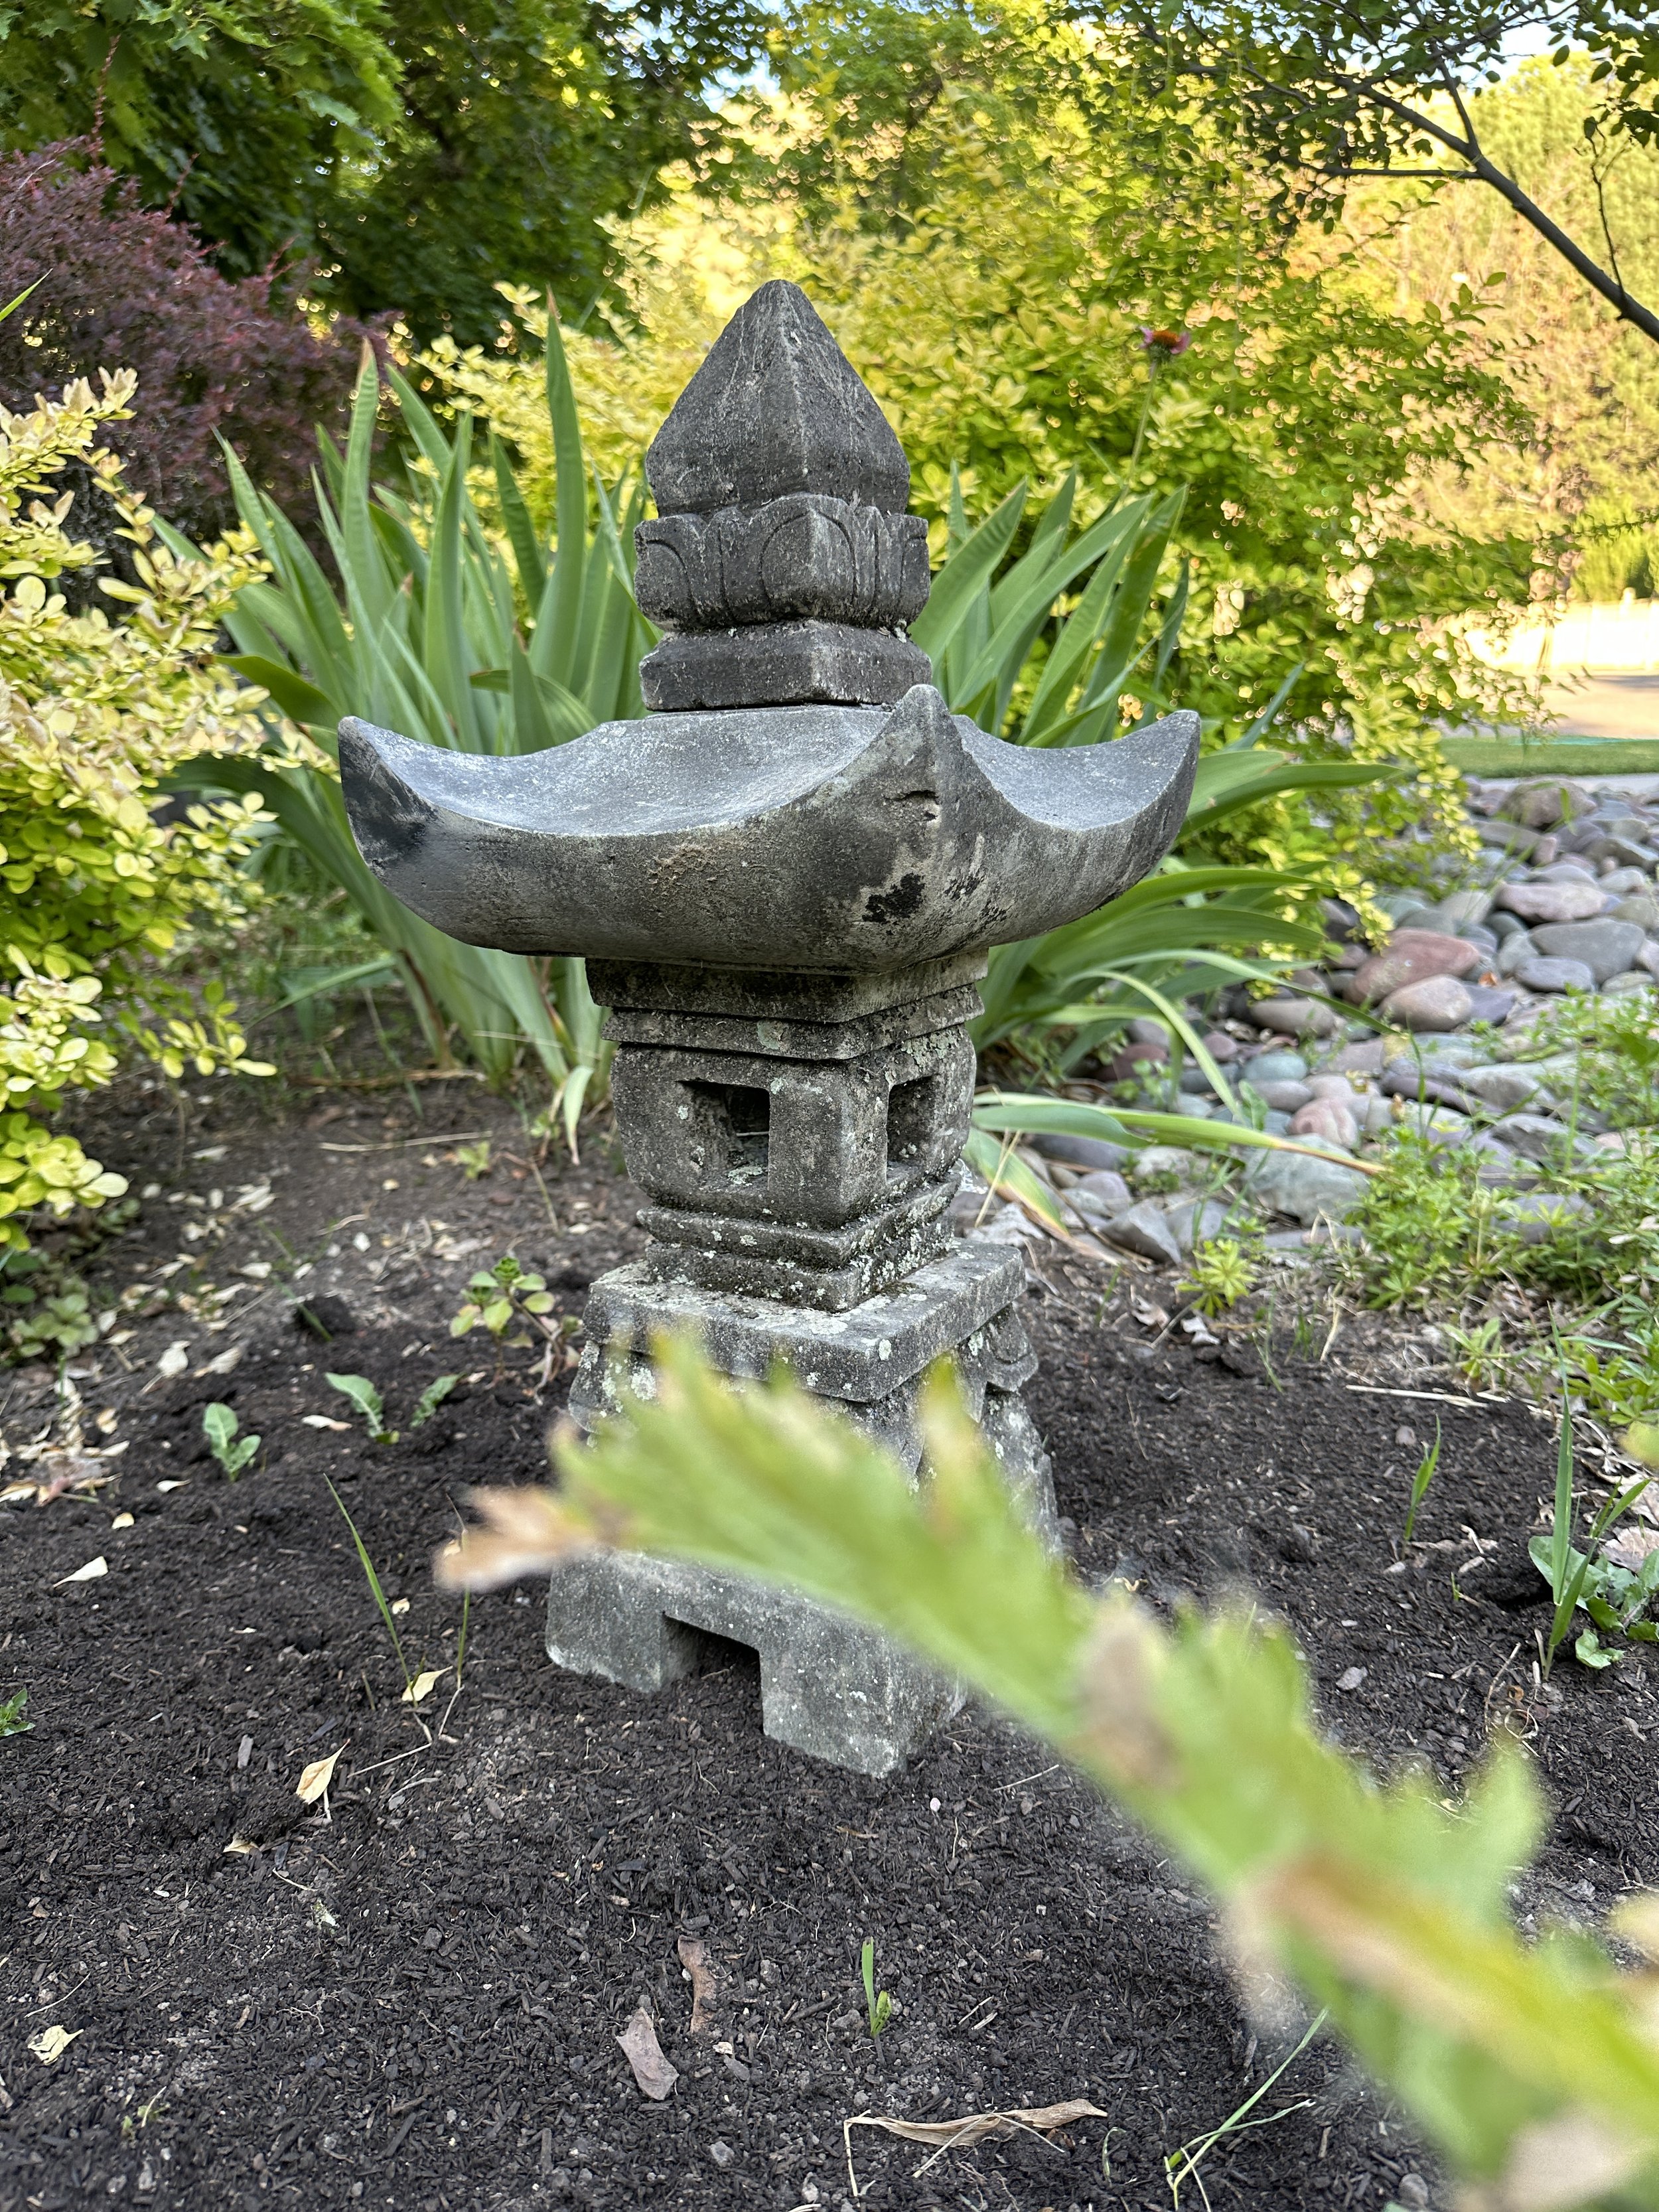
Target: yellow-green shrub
95, 712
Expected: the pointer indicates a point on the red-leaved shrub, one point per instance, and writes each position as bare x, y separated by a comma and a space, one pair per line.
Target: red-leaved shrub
120, 285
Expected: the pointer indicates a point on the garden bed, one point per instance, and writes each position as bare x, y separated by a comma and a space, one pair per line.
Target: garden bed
412, 1998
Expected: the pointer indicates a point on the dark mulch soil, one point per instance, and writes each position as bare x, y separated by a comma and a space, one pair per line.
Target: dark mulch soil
414, 2002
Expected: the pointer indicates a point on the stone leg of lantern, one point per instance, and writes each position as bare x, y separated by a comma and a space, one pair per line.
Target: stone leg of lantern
800, 1139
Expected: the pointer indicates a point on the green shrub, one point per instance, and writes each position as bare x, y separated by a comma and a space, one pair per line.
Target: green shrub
95, 713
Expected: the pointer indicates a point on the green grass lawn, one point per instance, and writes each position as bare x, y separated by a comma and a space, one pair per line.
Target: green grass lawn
1502, 755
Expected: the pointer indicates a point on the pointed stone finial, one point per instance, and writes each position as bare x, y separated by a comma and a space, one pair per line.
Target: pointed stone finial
775, 407
781, 561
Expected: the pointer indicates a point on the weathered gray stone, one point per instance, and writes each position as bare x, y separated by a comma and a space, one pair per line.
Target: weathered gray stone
1536, 1137
1538, 974
830, 1687
1100, 1195
849, 839
1283, 1098
1143, 1230
1303, 1186
1194, 1222
1543, 804
1501, 1089
1297, 1018
1563, 901
1438, 1002
796, 664
784, 880
1086, 1152
775, 407
807, 557
1606, 947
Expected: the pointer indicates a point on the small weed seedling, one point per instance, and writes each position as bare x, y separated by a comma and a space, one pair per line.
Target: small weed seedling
1424, 1476
373, 1579
431, 1399
1219, 1274
473, 1160
12, 1722
877, 2005
219, 1426
1478, 1353
1614, 1596
500, 1295
367, 1400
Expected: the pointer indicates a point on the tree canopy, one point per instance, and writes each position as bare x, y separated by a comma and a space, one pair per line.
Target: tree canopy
1329, 91
414, 155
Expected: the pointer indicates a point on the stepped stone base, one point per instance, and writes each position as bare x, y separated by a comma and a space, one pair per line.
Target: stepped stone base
829, 1685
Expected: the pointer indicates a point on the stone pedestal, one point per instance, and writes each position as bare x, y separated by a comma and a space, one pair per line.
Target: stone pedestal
800, 1139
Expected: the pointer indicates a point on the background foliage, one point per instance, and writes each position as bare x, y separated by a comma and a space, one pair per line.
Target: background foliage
112, 284
93, 712
415, 157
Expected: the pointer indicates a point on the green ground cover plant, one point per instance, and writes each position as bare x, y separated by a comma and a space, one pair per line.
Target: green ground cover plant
96, 710
1573, 1249
1381, 1905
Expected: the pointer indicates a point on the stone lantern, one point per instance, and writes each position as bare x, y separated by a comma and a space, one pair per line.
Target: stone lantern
784, 880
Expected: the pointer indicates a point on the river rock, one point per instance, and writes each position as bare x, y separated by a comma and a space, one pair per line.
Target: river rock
1144, 1229
1195, 1221
1514, 951
1275, 1066
1089, 1153
1412, 955
1537, 973
1365, 1057
1303, 1188
1542, 804
1438, 1002
1283, 1098
1537, 1136
1101, 1194
1501, 1089
1637, 979
1296, 1017
1606, 947
1329, 1120
1643, 909
1537, 1214
1568, 902
1459, 908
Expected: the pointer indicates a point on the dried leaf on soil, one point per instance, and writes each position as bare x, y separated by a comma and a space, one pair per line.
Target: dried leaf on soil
173, 1361
974, 2127
693, 1957
51, 2042
425, 1684
654, 2073
89, 1573
323, 1421
317, 1777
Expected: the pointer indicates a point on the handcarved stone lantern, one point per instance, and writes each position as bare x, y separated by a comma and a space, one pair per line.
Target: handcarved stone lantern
784, 880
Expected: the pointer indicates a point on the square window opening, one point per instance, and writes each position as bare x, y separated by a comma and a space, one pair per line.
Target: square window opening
735, 1121
911, 1115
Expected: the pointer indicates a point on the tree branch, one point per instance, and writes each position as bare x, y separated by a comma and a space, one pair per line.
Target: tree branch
1487, 172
